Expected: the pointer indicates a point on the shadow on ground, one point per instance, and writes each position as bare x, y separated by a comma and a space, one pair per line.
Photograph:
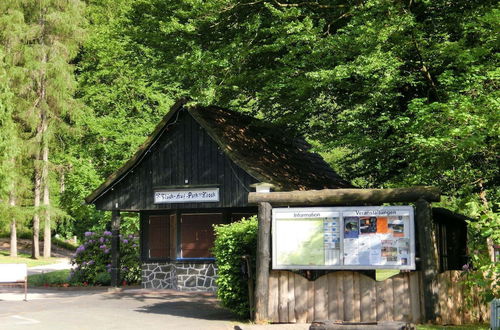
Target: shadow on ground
185, 304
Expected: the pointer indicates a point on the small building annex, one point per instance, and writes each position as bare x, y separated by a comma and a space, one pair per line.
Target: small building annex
196, 170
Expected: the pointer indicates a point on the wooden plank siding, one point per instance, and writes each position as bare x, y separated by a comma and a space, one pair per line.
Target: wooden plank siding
354, 297
184, 152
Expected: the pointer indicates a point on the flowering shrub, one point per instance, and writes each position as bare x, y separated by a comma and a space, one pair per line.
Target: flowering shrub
93, 259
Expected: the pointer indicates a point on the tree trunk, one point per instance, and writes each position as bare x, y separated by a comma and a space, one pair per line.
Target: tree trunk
35, 247
47, 239
489, 242
13, 227
40, 138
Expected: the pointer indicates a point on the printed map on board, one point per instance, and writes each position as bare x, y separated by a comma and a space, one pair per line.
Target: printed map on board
303, 244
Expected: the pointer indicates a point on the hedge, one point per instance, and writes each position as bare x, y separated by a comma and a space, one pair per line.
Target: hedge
232, 242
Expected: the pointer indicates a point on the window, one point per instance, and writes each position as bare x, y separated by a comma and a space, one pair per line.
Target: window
197, 234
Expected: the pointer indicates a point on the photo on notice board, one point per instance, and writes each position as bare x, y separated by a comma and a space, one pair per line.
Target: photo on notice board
368, 225
396, 227
351, 227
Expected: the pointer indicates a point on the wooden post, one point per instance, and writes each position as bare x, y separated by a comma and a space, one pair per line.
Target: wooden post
251, 289
428, 256
263, 257
115, 248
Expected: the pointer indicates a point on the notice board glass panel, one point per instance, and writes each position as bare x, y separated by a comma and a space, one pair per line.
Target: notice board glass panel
363, 237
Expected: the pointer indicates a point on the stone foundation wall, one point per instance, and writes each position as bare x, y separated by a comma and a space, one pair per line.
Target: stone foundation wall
182, 276
158, 276
196, 277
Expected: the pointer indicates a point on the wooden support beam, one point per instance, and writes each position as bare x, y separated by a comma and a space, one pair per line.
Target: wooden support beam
115, 248
428, 256
263, 258
346, 196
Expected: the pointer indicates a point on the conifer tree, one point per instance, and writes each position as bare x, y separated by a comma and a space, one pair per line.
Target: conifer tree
50, 33
10, 143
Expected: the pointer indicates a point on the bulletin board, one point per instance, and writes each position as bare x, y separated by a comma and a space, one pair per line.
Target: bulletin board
363, 237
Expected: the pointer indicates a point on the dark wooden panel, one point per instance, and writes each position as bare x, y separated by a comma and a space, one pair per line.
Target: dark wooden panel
197, 234
184, 152
238, 216
173, 236
159, 236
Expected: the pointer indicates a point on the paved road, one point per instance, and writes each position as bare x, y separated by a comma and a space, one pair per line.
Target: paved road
99, 309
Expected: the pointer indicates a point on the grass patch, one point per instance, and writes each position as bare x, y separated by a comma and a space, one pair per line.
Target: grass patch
25, 259
383, 274
453, 327
56, 278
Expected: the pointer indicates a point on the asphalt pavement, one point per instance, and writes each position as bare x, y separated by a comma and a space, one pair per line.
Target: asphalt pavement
132, 308
99, 309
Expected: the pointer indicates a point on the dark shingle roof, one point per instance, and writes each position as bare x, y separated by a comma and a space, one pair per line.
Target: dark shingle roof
267, 152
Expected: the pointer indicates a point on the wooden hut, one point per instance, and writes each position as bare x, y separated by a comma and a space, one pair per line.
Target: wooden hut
196, 170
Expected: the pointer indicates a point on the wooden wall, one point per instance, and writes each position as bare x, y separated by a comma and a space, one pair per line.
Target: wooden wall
184, 152
354, 297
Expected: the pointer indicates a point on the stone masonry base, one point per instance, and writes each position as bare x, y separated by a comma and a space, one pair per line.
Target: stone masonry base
182, 276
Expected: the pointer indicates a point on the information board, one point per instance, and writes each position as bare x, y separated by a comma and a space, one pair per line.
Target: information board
363, 237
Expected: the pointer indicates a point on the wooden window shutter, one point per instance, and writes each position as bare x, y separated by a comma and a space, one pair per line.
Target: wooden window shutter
197, 234
159, 236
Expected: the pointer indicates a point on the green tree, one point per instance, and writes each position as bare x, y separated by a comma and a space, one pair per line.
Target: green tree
404, 93
122, 107
7, 153
392, 93
42, 82
12, 183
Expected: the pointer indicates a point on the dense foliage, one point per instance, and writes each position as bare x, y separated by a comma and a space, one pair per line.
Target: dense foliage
392, 93
233, 241
93, 259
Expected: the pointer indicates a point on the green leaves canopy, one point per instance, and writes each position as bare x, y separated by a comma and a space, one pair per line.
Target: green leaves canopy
394, 93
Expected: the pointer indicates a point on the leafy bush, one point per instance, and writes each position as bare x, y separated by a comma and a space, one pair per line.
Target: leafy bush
231, 243
55, 278
93, 259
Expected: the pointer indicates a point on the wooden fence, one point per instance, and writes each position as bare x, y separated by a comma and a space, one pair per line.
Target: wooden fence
456, 305
354, 297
